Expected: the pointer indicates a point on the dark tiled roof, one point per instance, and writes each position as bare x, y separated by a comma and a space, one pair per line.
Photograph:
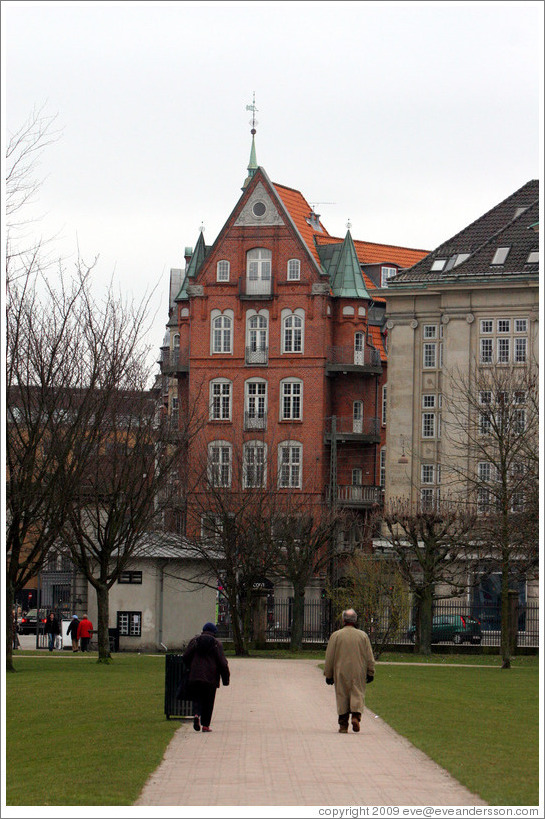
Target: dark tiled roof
479, 240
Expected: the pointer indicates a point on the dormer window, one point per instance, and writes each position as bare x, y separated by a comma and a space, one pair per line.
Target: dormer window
501, 255
533, 257
387, 273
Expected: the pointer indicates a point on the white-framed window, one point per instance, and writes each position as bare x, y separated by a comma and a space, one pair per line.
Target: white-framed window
428, 401
429, 498
430, 331
487, 326
255, 401
519, 420
504, 350
222, 331
486, 350
211, 527
293, 324
291, 399
129, 623
521, 345
290, 465
176, 341
220, 399
259, 264
382, 467
521, 325
428, 425
219, 463
504, 325
384, 404
257, 337
429, 355
294, 270
255, 465
223, 270
357, 476
386, 273
428, 473
500, 255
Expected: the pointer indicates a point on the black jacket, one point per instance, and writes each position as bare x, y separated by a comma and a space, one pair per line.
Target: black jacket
206, 660
52, 626
72, 629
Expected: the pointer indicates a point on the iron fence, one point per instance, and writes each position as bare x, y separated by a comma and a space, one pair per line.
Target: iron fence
318, 624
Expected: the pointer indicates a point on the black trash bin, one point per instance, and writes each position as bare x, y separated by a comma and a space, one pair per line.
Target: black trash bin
113, 634
175, 669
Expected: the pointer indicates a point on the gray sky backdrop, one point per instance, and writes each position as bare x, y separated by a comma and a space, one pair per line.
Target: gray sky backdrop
408, 119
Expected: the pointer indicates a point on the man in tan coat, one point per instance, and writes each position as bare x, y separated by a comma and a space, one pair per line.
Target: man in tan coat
349, 664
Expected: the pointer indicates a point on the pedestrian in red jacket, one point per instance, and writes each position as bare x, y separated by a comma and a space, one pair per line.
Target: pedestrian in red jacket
85, 632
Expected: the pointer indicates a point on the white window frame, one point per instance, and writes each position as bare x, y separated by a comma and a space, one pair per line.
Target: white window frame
220, 470
220, 408
387, 273
520, 353
294, 270
292, 334
384, 404
292, 399
382, 467
521, 325
487, 327
488, 356
429, 355
429, 331
427, 475
504, 326
429, 425
290, 469
254, 479
256, 398
503, 349
429, 401
259, 264
221, 327
223, 270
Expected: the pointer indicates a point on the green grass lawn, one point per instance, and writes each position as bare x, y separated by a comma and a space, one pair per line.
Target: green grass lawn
69, 715
481, 724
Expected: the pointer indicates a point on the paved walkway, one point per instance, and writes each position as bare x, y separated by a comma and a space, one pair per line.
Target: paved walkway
274, 741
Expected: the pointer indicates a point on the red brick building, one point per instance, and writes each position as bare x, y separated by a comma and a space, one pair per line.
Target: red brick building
278, 346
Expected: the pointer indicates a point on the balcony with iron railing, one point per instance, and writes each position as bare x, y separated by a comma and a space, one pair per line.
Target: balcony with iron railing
174, 361
255, 289
257, 355
347, 359
255, 420
348, 428
357, 495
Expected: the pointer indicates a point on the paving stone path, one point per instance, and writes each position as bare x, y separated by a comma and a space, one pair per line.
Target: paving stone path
274, 741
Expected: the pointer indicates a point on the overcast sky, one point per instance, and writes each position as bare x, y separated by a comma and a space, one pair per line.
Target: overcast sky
408, 119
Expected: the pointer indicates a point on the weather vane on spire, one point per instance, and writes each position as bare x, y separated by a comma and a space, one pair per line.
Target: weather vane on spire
253, 109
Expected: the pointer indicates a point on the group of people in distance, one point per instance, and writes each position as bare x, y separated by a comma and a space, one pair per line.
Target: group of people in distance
79, 631
349, 666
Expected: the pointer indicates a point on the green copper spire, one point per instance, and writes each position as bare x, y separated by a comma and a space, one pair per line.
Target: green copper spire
252, 165
345, 272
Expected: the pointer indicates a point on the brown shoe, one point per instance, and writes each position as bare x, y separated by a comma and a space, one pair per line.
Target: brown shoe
343, 729
355, 724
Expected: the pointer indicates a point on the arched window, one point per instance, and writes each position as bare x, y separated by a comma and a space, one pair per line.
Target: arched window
176, 341
294, 270
222, 270
219, 463
254, 473
291, 399
221, 396
359, 348
222, 335
257, 337
258, 271
255, 404
293, 326
357, 416
290, 465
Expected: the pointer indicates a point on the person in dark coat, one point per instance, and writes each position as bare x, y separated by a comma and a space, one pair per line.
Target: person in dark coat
207, 664
72, 631
52, 629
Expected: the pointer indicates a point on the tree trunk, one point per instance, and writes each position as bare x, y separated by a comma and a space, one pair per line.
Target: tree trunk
425, 616
298, 618
238, 633
10, 625
102, 593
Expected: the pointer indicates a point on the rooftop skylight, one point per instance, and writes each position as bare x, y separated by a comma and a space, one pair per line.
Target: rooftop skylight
438, 264
500, 255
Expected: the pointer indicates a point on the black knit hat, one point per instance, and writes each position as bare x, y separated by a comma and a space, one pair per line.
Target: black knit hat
210, 627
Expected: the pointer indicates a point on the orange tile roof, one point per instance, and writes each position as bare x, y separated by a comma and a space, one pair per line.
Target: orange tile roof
299, 209
371, 253
378, 341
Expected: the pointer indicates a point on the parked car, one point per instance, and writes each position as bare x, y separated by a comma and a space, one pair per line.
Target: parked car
459, 628
27, 624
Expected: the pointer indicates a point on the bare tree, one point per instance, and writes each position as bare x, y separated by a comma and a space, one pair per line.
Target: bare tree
436, 550
373, 585
493, 430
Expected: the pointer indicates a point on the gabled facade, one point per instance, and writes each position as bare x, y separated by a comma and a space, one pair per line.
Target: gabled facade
283, 352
